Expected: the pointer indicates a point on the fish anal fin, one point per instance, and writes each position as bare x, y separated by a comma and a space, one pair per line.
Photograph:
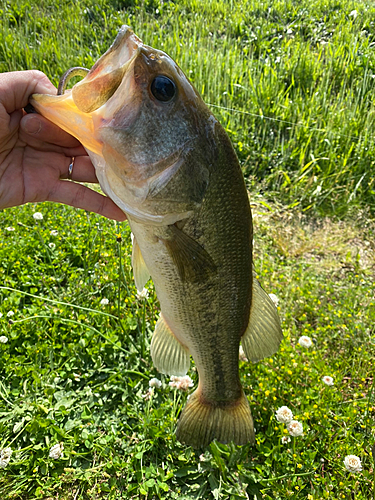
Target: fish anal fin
263, 334
201, 422
140, 271
168, 354
192, 261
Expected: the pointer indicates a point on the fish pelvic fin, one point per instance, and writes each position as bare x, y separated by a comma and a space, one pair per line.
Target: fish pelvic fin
168, 354
201, 422
263, 334
140, 271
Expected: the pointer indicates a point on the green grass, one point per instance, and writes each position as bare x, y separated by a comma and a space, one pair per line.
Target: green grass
74, 370
297, 77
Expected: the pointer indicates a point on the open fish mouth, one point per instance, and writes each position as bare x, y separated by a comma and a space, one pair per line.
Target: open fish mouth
80, 112
137, 115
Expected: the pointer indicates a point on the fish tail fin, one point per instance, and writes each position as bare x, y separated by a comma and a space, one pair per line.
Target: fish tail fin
201, 422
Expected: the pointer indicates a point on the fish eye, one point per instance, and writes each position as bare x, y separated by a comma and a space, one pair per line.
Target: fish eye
163, 88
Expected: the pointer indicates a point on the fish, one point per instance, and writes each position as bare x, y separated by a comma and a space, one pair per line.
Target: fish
165, 160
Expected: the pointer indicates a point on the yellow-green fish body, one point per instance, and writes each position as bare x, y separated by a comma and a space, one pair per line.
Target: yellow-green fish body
161, 155
202, 274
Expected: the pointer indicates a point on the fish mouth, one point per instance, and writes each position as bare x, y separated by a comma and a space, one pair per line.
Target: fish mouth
80, 112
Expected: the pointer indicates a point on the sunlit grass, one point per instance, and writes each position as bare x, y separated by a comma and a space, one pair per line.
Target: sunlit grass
298, 78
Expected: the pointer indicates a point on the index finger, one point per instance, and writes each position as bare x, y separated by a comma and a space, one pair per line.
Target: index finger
17, 87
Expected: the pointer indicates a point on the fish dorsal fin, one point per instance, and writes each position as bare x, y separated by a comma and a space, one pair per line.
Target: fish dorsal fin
168, 354
140, 271
263, 334
193, 262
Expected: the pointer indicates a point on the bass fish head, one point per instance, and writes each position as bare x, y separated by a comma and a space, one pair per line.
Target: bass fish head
146, 129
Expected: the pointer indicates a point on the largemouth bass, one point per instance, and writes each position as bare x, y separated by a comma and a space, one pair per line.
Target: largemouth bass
165, 160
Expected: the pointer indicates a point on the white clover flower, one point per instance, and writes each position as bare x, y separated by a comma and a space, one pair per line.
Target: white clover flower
181, 383
52, 246
143, 294
285, 439
353, 14
10, 313
284, 415
38, 216
1, 315
305, 341
5, 455
54, 232
56, 451
353, 463
274, 298
154, 382
9, 228
104, 302
242, 354
328, 380
3, 339
295, 428
148, 394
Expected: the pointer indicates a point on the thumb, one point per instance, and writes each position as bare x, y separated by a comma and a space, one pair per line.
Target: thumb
17, 87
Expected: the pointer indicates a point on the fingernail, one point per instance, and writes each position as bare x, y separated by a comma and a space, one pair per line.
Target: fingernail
32, 124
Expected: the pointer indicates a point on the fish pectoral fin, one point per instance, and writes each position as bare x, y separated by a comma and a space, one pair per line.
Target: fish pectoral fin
263, 334
168, 354
192, 261
140, 271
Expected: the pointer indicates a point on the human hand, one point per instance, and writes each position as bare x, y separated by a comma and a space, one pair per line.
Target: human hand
35, 154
